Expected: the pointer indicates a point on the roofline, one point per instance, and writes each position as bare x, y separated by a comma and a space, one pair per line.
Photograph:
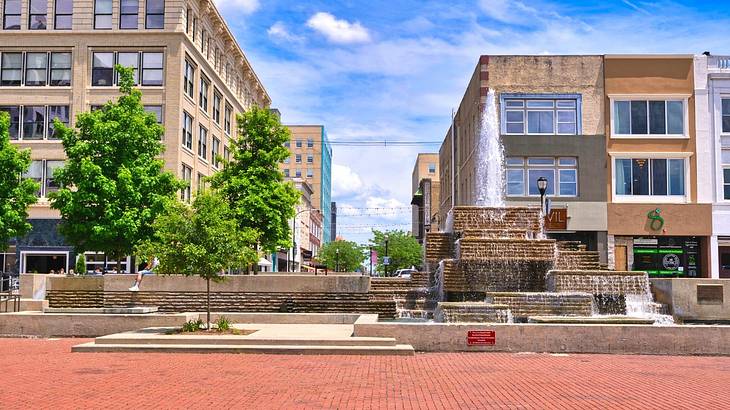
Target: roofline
648, 56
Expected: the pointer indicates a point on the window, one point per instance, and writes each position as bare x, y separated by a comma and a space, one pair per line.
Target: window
188, 80
156, 110
128, 14
14, 113
286, 173
50, 185
35, 173
226, 154
648, 117
203, 143
298, 159
214, 151
12, 69
187, 131
155, 14
310, 173
726, 115
726, 182
188, 12
187, 176
129, 60
41, 171
228, 113
561, 173
202, 41
431, 168
540, 115
195, 29
152, 69
201, 183
310, 143
645, 176
36, 66
310, 159
37, 14
725, 159
298, 173
203, 98
60, 69
59, 112
287, 160
103, 14
11, 15
217, 107
102, 71
287, 144
64, 14
34, 122
299, 143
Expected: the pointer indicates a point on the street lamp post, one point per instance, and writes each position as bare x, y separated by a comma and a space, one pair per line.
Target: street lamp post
385, 266
337, 260
294, 238
371, 261
542, 184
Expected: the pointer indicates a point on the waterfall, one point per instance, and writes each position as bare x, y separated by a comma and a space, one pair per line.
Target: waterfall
490, 158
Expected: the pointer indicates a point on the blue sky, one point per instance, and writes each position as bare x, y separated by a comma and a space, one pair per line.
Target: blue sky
395, 69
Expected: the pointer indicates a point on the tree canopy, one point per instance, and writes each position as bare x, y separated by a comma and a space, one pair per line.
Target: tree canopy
351, 256
113, 185
16, 193
252, 183
403, 249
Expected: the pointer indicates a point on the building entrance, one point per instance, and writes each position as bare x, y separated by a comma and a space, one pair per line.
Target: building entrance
44, 262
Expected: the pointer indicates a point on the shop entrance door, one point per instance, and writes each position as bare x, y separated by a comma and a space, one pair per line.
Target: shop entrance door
621, 260
724, 252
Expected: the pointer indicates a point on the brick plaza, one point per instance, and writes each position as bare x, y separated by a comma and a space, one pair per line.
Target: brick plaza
39, 373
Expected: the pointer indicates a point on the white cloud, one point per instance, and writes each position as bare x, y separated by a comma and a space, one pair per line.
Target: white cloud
345, 181
279, 32
338, 31
245, 6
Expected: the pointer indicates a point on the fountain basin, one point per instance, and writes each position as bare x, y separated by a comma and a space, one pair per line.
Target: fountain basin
523, 305
471, 312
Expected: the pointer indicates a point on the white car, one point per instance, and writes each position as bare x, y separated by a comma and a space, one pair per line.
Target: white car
404, 273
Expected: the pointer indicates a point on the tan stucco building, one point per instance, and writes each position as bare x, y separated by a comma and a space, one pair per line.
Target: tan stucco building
57, 61
425, 191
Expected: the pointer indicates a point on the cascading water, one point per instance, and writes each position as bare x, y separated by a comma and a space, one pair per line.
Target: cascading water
490, 163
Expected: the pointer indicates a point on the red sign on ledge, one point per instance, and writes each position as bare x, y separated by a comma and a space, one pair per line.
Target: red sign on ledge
481, 338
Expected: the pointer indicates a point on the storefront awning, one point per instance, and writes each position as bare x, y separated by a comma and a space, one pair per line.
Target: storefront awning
417, 198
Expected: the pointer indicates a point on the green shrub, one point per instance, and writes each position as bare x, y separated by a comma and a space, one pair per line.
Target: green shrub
223, 324
192, 325
81, 264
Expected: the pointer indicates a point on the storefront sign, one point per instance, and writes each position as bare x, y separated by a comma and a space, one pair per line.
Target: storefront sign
557, 220
656, 221
481, 338
668, 256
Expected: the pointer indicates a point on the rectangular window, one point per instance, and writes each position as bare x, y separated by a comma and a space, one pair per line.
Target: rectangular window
286, 172
60, 69
129, 60
287, 144
228, 114
298, 159
64, 12
648, 117
152, 69
50, 184
214, 151
310, 143
287, 160
540, 116
726, 115
431, 168
523, 173
188, 13
155, 14
226, 154
189, 79
534, 174
128, 14
655, 177
299, 143
34, 122
156, 110
35, 173
103, 14
201, 183
203, 143
102, 71
515, 182
11, 14
14, 113
37, 14
187, 175
36, 69
310, 173
726, 182
217, 107
187, 131
310, 159
203, 97
195, 29
12, 69
59, 112
298, 173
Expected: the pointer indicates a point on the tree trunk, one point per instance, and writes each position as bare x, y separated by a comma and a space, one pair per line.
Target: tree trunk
208, 291
119, 262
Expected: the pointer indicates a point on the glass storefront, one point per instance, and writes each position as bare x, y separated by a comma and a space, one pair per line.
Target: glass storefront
668, 256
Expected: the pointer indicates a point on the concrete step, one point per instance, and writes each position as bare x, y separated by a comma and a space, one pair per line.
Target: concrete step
613, 320
396, 350
233, 340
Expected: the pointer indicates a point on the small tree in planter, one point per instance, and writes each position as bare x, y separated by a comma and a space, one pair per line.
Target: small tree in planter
199, 240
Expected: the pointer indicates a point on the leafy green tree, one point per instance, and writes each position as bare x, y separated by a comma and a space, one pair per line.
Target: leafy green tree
113, 185
350, 256
199, 240
403, 249
252, 183
16, 193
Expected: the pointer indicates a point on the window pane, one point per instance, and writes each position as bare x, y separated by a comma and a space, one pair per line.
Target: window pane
676, 177
725, 156
51, 167
540, 161
726, 106
515, 182
534, 174
623, 177
566, 104
726, 123
726, 175
60, 60
567, 162
657, 117
103, 7
515, 116
35, 73
658, 176
155, 21
12, 22
128, 21
515, 128
546, 122
35, 172
12, 6
540, 104
638, 117
103, 21
156, 6
64, 22
102, 72
622, 117
33, 122
155, 109
640, 170
12, 64
514, 103
64, 6
515, 161
61, 113
568, 182
675, 117
129, 6
14, 113
566, 128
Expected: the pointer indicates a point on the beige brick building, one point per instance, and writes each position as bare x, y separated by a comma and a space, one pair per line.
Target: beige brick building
425, 190
56, 61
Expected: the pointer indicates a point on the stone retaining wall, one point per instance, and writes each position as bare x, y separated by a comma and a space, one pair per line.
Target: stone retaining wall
513, 218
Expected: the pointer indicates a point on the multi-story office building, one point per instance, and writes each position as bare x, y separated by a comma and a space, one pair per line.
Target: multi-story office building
656, 219
425, 191
308, 232
333, 224
57, 60
550, 111
712, 107
311, 160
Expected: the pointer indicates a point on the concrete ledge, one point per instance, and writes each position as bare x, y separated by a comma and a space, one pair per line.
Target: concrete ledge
288, 318
136, 310
557, 338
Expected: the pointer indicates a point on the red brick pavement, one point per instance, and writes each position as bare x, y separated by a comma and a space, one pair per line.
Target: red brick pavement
44, 374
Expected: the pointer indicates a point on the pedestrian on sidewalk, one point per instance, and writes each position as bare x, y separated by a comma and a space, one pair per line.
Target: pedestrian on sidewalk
148, 270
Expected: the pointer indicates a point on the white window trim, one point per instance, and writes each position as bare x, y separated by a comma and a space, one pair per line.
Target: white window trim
643, 199
23, 254
650, 97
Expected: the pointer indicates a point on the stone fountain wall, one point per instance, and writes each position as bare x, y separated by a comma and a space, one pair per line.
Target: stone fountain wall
469, 218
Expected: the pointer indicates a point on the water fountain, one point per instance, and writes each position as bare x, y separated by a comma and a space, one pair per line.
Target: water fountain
494, 263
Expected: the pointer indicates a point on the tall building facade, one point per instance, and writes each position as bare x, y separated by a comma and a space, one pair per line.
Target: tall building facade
425, 191
57, 60
311, 160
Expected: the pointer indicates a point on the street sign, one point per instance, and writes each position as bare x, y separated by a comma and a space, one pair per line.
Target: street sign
386, 260
481, 338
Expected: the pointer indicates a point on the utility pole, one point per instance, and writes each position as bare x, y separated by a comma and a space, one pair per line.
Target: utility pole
337, 260
371, 261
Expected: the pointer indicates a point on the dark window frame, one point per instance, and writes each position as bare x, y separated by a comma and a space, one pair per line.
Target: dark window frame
123, 14
98, 14
56, 15
148, 14
44, 24
17, 15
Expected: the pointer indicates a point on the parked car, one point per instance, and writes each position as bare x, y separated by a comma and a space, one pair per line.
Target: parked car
404, 273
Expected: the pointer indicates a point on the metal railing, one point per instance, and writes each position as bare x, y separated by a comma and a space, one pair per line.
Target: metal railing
718, 62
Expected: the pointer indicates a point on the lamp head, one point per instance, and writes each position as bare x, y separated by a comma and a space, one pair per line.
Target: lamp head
542, 184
